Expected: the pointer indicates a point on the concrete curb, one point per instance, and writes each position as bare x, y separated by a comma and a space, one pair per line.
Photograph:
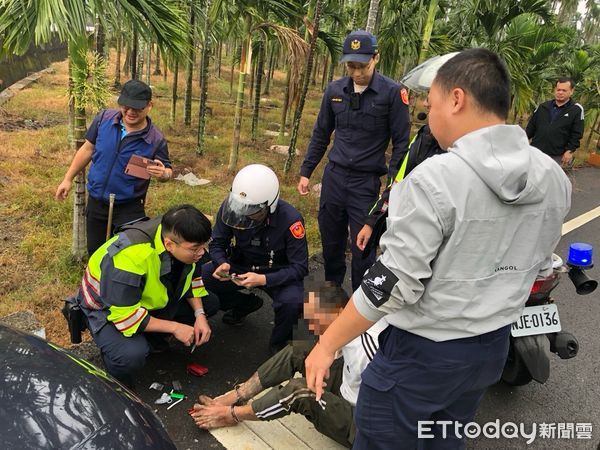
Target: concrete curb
10, 91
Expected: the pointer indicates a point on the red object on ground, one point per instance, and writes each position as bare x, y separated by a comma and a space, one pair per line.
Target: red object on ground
196, 369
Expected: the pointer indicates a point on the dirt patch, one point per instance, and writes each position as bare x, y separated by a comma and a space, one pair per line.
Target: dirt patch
12, 122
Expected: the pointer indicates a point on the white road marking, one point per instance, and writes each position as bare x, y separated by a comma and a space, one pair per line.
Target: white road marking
581, 220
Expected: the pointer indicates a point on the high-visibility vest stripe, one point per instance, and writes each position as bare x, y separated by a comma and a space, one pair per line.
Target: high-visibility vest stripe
131, 320
197, 283
92, 282
88, 298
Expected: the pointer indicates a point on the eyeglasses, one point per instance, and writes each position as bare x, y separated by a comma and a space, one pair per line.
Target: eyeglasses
136, 110
194, 249
358, 67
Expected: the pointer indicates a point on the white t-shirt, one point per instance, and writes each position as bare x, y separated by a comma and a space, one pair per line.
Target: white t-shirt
357, 354
360, 89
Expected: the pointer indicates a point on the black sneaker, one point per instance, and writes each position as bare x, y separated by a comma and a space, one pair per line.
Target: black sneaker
231, 319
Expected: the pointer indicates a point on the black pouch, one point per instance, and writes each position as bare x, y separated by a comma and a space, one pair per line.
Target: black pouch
75, 319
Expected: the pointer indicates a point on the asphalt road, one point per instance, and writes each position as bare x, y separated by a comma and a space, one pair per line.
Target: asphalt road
571, 396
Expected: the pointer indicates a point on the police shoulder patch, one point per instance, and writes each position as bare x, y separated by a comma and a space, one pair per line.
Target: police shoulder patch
297, 230
404, 95
378, 283
337, 99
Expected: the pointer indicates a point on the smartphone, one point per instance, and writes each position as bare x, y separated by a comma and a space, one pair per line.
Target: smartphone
228, 276
137, 166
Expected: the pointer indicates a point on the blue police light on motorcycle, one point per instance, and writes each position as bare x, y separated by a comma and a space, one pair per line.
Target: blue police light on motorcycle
580, 255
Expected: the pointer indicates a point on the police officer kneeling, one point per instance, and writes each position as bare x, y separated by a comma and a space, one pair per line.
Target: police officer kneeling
141, 283
258, 242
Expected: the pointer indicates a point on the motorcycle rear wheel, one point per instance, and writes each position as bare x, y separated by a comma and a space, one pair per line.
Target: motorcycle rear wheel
515, 371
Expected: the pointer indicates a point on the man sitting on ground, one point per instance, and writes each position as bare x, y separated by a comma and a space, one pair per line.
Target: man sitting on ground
333, 414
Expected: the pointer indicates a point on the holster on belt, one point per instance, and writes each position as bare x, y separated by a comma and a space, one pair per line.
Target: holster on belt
75, 319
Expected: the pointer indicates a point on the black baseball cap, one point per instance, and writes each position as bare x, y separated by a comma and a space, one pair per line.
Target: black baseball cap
359, 46
135, 94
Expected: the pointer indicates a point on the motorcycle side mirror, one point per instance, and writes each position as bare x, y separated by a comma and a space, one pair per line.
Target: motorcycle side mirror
584, 285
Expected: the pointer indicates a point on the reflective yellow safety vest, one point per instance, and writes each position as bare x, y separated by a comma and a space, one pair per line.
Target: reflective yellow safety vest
133, 261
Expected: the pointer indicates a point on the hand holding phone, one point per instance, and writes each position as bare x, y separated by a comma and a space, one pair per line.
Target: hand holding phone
137, 166
221, 273
228, 276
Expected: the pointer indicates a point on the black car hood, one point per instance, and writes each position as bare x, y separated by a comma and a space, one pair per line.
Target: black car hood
52, 399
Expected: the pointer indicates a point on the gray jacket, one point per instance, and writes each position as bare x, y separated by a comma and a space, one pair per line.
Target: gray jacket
467, 234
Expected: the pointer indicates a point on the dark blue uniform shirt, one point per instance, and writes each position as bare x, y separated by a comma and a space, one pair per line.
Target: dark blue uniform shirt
361, 134
278, 248
112, 152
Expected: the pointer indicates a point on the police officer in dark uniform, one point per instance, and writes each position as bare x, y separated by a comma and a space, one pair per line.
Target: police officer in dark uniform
365, 109
258, 241
423, 146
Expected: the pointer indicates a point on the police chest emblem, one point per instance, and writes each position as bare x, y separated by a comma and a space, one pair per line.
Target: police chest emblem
355, 44
337, 99
297, 230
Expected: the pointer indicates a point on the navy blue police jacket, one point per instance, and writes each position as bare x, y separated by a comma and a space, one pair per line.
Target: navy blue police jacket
111, 155
278, 248
362, 134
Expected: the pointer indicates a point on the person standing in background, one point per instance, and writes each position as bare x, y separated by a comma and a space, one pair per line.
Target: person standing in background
365, 109
556, 126
114, 136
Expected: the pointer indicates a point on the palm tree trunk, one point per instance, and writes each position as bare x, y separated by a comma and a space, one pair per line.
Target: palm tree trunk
310, 15
372, 18
219, 60
252, 76
284, 107
269, 70
427, 30
231, 75
165, 71
325, 71
127, 62
300, 107
141, 59
79, 243
257, 88
313, 77
204, 81
187, 109
78, 125
148, 64
133, 63
174, 92
117, 80
157, 62
100, 39
592, 130
245, 65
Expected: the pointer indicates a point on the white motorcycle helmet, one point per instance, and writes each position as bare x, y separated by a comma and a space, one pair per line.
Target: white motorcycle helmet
254, 194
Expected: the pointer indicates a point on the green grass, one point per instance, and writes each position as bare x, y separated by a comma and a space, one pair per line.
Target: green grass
36, 267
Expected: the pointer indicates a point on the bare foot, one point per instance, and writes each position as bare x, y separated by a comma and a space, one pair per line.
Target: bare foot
214, 416
227, 399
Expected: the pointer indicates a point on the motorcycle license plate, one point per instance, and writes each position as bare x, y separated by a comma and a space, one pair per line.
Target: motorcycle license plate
537, 320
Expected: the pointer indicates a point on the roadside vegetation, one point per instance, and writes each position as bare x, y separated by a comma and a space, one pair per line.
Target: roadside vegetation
224, 74
37, 268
